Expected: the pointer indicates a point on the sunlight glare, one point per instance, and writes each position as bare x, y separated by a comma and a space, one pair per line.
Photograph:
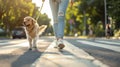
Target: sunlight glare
46, 8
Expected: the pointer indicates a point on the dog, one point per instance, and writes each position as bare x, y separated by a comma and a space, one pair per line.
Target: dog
33, 30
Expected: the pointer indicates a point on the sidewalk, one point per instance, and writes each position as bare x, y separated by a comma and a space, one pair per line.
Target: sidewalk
71, 56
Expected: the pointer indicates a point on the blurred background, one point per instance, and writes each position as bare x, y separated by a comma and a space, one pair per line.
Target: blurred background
101, 17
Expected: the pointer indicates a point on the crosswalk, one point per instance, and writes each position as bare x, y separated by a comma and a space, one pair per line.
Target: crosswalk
16, 54
109, 42
70, 52
70, 56
115, 45
11, 42
8, 46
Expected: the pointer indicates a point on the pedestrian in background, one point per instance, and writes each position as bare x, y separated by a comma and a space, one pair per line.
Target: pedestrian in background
91, 32
108, 31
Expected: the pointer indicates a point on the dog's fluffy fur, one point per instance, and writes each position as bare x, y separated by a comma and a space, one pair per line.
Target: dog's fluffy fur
33, 30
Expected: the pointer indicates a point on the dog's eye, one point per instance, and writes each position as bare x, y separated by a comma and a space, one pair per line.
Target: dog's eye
28, 20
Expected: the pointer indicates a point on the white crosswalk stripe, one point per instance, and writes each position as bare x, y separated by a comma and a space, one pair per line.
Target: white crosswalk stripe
6, 42
109, 42
71, 55
103, 44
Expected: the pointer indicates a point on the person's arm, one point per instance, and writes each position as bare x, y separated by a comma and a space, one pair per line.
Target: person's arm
43, 0
71, 2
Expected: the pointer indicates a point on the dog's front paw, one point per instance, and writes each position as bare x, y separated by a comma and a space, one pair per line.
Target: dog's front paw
30, 48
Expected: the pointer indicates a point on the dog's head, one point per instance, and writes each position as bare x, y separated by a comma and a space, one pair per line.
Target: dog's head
29, 21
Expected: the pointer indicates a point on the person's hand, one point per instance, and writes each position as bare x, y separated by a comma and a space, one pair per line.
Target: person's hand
71, 2
43, 0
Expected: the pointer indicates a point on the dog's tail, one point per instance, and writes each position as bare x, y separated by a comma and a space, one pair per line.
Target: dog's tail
42, 29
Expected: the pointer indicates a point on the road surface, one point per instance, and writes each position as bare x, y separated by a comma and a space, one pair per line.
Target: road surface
15, 53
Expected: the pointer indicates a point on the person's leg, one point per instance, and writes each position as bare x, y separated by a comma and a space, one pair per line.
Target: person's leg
58, 12
61, 17
61, 22
54, 9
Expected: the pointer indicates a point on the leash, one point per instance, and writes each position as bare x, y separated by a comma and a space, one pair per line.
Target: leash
40, 10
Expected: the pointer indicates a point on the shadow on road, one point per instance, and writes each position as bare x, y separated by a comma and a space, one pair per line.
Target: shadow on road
27, 58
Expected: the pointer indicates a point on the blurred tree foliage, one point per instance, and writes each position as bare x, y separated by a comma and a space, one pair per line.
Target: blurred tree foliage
83, 13
113, 8
91, 12
12, 13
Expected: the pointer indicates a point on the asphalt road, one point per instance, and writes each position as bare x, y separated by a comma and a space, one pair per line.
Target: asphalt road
105, 50
20, 56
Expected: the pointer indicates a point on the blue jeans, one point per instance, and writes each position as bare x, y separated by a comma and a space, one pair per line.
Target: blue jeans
58, 13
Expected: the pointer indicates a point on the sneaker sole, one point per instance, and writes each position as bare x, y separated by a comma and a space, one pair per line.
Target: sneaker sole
61, 46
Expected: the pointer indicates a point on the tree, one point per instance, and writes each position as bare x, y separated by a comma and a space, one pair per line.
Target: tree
91, 12
12, 13
113, 9
80, 13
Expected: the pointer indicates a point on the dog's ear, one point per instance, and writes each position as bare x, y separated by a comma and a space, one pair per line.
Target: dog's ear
23, 24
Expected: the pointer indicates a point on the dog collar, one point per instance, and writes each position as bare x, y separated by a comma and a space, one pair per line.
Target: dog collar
30, 30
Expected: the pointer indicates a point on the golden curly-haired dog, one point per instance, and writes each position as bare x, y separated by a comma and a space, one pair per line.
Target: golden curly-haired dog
33, 30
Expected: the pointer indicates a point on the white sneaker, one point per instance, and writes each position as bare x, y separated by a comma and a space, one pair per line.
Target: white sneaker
56, 45
60, 44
